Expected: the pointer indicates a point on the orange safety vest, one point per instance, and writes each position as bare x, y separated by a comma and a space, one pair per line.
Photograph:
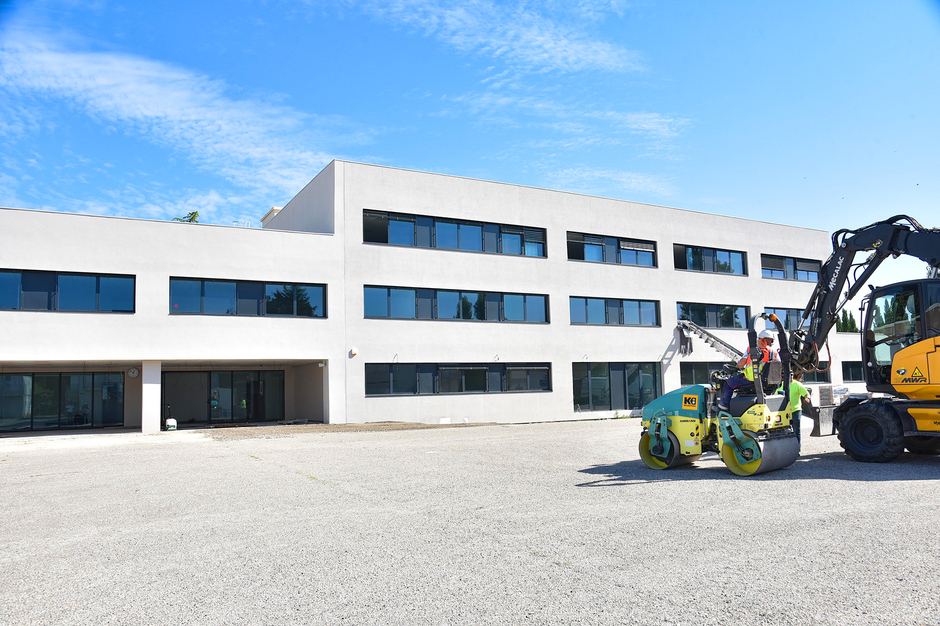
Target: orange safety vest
767, 355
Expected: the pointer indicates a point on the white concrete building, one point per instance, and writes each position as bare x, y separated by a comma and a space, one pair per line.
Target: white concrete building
382, 294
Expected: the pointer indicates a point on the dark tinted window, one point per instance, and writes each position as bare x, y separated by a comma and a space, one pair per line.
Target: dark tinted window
376, 301
578, 311
471, 237
77, 292
404, 378
278, 299
512, 243
38, 291
401, 232
250, 298
425, 299
374, 227
536, 309
445, 234
429, 232
219, 297
310, 301
116, 293
9, 290
448, 305
402, 303
514, 307
185, 295
378, 379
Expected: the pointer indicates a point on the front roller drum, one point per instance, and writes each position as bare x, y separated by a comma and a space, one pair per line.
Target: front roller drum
775, 454
674, 459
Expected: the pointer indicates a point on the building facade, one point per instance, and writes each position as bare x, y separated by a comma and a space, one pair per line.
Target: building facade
380, 294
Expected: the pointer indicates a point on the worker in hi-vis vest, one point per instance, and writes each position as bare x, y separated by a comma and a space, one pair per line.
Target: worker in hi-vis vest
765, 343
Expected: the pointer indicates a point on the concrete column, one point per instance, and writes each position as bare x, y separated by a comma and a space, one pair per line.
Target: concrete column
325, 381
150, 397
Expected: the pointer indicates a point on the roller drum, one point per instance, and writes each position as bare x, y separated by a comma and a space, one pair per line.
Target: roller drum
776, 453
674, 459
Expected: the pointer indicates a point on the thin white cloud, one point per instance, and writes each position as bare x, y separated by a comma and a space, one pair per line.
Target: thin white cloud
257, 146
514, 33
572, 116
598, 180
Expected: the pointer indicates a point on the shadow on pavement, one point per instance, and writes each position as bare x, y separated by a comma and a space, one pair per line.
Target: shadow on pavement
824, 466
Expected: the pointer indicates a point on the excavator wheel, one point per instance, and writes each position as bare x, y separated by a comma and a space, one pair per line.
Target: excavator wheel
871, 432
674, 458
775, 454
922, 445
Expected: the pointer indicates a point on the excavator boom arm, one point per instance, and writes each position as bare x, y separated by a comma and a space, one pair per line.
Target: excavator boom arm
840, 274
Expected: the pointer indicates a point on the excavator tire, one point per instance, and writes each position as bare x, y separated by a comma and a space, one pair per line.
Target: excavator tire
922, 445
872, 433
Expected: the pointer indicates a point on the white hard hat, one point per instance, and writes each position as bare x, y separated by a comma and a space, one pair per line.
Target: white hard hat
765, 334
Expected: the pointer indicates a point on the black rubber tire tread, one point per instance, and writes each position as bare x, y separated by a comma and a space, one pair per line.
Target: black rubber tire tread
873, 415
922, 445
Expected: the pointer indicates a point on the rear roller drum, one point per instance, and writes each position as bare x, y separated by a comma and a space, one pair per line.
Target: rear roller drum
775, 454
673, 459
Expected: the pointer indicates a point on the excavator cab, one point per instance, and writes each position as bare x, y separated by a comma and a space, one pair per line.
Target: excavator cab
901, 340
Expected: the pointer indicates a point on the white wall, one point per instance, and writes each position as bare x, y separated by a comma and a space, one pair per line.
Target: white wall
560, 343
153, 252
317, 238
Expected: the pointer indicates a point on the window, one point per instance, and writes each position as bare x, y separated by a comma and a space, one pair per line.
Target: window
615, 386
700, 259
818, 377
244, 297
788, 268
223, 396
790, 318
697, 373
425, 304
383, 379
604, 249
714, 315
54, 400
401, 229
853, 372
9, 289
28, 290
931, 309
895, 323
613, 312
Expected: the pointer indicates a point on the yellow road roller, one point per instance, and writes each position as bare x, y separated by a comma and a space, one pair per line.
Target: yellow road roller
753, 436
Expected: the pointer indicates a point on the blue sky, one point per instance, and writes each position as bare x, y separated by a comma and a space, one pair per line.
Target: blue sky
808, 113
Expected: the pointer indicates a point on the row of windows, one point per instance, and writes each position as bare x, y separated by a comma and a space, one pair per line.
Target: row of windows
400, 229
613, 312
29, 290
790, 318
701, 259
615, 386
699, 373
608, 249
714, 315
789, 268
383, 379
245, 297
56, 400
426, 304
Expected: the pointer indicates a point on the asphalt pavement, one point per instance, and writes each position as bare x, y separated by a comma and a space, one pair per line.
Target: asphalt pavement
557, 523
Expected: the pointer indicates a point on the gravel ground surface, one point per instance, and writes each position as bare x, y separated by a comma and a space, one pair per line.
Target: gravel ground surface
527, 524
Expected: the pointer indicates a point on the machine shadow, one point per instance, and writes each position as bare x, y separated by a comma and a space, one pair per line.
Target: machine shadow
824, 466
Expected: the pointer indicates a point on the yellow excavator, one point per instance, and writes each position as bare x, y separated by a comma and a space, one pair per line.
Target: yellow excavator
900, 354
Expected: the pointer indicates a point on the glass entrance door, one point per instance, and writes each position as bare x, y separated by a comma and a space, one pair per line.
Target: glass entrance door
187, 396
